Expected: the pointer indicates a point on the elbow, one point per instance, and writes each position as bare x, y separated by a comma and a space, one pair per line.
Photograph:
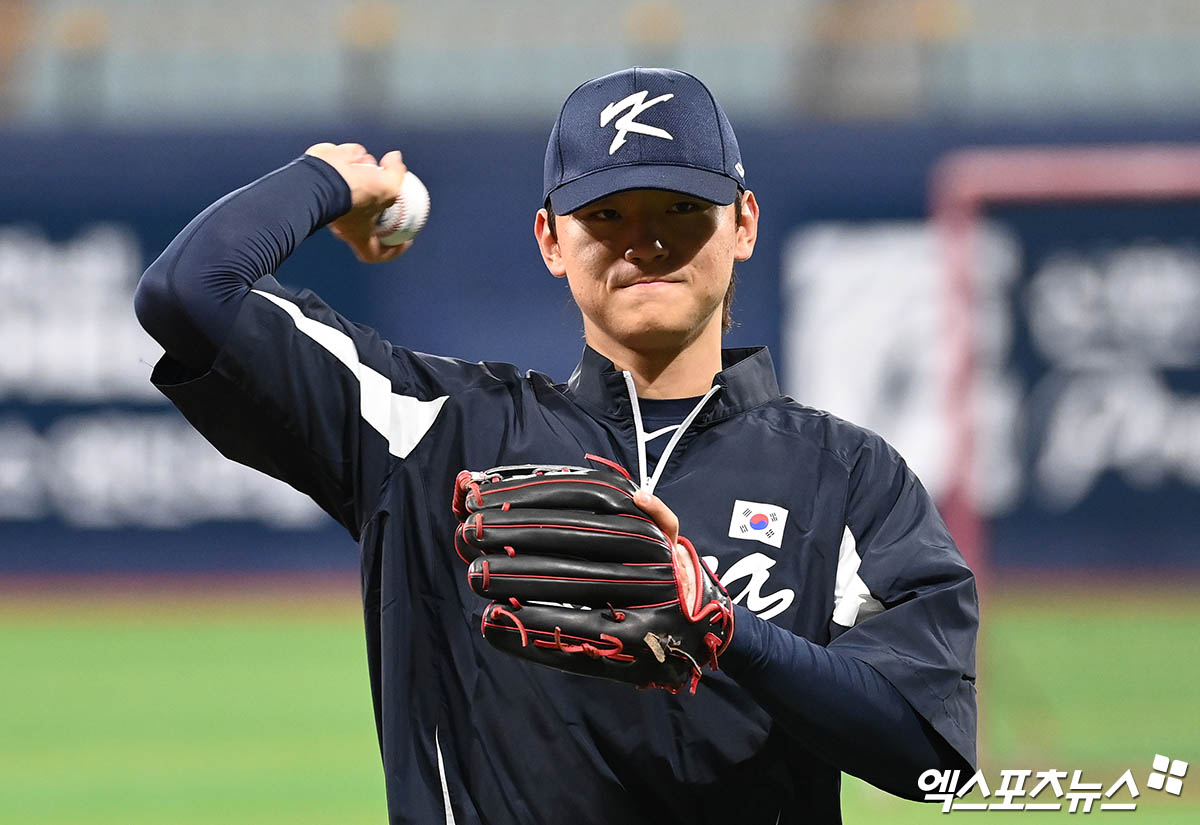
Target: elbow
154, 301
181, 323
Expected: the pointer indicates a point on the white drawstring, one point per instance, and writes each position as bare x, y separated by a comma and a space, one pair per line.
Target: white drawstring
687, 422
651, 436
650, 482
637, 423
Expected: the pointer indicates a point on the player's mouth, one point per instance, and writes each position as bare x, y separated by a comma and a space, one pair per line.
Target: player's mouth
649, 282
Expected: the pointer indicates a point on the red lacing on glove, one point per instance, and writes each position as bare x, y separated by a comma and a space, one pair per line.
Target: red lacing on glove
497, 610
713, 642
458, 534
612, 465
587, 648
724, 617
671, 689
614, 614
674, 690
462, 483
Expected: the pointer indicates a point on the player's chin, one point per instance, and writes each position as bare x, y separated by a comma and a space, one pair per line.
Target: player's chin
656, 319
667, 305
650, 331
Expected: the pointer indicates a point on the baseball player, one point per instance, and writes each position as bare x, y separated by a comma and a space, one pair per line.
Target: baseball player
812, 615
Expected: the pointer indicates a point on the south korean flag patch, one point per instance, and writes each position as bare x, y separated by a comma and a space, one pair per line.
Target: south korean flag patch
757, 521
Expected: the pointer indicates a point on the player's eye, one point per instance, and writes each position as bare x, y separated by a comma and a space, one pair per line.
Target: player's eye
603, 215
686, 207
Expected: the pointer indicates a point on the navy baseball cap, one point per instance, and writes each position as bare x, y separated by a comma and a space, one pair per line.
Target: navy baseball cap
641, 129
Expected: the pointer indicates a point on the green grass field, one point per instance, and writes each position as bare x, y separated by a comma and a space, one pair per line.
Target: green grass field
229, 706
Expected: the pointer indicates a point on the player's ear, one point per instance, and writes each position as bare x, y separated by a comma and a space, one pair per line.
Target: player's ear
747, 228
548, 244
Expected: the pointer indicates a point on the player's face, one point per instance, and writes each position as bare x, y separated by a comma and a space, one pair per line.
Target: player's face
649, 269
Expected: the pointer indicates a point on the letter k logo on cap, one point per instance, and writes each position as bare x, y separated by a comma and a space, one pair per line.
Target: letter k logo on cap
636, 104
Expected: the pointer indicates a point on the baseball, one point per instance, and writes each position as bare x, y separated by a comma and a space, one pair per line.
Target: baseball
401, 221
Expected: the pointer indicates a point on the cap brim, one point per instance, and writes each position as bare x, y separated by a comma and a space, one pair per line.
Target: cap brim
699, 183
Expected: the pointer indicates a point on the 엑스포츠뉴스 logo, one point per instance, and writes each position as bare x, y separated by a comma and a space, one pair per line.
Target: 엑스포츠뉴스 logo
636, 104
1048, 790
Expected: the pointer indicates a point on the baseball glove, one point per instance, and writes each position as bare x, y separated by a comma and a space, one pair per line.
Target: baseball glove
583, 581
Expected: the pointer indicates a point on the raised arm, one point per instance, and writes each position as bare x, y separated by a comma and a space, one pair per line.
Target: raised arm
189, 297
277, 380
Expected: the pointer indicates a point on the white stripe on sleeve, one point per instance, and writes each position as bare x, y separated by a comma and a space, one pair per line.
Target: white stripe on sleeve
401, 419
852, 599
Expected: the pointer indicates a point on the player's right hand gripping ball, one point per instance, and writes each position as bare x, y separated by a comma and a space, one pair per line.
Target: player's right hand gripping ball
583, 581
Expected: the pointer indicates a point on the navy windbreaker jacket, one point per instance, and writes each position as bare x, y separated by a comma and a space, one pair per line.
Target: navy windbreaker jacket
376, 434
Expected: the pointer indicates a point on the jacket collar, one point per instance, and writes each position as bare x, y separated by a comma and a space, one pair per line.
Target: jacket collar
747, 380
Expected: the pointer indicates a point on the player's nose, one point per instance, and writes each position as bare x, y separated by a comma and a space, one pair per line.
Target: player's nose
645, 244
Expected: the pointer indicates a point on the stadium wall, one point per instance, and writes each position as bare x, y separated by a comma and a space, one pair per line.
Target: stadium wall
99, 475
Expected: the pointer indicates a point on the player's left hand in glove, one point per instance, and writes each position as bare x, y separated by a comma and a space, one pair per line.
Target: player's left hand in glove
583, 581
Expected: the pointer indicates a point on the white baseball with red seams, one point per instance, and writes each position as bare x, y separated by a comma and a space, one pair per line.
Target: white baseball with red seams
401, 221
